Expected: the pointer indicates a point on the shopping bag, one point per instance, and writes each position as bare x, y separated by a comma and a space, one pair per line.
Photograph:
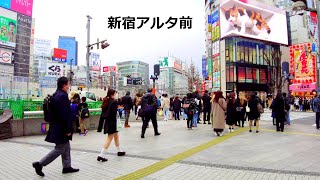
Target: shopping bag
119, 124
160, 113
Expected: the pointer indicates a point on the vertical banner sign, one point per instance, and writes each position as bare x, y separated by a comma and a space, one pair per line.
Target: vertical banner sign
8, 31
204, 67
302, 63
94, 61
313, 30
215, 26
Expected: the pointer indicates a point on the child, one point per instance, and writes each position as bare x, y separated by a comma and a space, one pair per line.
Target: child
84, 114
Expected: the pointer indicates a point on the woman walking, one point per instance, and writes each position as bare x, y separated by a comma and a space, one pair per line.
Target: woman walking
231, 111
254, 114
109, 121
279, 111
165, 104
218, 109
241, 105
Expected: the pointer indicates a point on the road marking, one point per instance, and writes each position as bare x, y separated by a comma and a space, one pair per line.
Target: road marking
295, 133
169, 161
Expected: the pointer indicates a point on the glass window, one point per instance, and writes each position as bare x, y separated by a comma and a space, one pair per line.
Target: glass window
241, 74
232, 78
242, 51
249, 77
238, 52
263, 77
228, 74
246, 52
231, 55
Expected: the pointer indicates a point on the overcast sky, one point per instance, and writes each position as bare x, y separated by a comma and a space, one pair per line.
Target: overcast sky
68, 18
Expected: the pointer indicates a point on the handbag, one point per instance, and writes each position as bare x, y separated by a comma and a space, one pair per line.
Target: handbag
260, 108
247, 109
119, 124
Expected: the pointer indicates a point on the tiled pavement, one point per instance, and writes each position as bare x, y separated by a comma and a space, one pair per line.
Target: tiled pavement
266, 155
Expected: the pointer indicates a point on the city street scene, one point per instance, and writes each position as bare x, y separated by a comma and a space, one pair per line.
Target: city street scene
157, 90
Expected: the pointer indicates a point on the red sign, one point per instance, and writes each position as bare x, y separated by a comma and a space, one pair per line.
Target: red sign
109, 68
60, 53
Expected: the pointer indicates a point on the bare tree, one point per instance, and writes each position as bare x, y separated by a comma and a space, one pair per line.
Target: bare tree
273, 60
193, 77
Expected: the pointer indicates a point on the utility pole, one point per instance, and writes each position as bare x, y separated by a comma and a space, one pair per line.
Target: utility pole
71, 73
88, 52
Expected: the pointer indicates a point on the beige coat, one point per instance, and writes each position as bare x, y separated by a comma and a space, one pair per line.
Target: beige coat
165, 103
218, 114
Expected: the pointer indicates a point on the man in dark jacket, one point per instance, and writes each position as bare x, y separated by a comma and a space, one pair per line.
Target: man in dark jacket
60, 130
127, 105
206, 107
149, 99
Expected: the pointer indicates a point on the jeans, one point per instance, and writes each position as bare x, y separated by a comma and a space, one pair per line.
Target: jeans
59, 149
176, 114
166, 113
195, 118
288, 118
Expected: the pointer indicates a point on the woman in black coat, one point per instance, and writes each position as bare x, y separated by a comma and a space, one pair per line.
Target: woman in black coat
231, 112
108, 119
254, 114
176, 108
279, 111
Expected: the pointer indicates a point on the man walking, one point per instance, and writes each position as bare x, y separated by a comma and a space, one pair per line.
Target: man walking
60, 130
316, 109
128, 105
149, 108
206, 107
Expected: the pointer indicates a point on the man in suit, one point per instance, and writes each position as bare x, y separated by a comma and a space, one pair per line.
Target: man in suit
60, 130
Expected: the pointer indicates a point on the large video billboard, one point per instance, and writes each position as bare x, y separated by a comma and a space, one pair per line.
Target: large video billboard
8, 28
253, 20
22, 6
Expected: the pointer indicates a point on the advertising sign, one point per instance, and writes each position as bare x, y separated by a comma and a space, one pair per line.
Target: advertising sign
8, 31
22, 6
109, 69
54, 70
215, 49
94, 61
5, 56
59, 55
216, 80
209, 66
5, 4
48, 82
302, 63
313, 30
42, 47
254, 20
215, 26
170, 62
204, 67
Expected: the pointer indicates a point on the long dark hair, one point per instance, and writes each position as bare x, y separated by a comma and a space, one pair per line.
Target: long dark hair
107, 99
217, 96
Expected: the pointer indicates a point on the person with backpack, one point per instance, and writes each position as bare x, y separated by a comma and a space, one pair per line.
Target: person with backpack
75, 100
84, 114
189, 106
316, 109
108, 122
59, 115
149, 108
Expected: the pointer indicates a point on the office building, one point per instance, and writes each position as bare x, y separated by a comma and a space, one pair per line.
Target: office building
71, 45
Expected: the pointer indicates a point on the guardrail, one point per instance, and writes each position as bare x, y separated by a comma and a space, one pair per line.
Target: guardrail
32, 114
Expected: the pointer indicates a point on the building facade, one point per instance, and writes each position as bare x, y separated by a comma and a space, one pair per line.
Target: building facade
242, 59
173, 79
133, 69
71, 45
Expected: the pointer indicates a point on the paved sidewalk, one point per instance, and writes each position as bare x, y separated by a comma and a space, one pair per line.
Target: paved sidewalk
266, 155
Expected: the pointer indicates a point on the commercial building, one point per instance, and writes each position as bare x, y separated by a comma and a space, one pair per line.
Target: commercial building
241, 59
71, 45
133, 69
173, 79
109, 77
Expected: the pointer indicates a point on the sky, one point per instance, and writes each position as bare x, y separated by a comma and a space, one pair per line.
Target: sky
56, 18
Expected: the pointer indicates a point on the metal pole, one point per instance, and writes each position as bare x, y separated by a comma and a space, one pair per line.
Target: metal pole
71, 74
88, 51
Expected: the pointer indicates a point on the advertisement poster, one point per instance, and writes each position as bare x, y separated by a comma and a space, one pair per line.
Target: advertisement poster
5, 4
204, 67
254, 20
59, 55
94, 61
54, 70
22, 6
8, 31
302, 63
209, 66
215, 26
216, 80
109, 69
42, 47
5, 56
215, 49
313, 31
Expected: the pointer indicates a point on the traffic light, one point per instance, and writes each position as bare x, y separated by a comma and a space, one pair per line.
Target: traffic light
104, 45
90, 79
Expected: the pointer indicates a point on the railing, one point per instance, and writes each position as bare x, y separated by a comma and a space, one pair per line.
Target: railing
19, 107
39, 114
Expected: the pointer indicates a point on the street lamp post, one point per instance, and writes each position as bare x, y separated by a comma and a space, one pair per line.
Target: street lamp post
88, 51
71, 73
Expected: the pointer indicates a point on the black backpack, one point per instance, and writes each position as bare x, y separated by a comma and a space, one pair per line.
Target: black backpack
84, 113
148, 106
48, 109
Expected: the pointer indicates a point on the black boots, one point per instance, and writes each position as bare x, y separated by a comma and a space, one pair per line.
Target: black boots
69, 170
38, 168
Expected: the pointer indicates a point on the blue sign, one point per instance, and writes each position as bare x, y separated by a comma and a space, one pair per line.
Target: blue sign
209, 19
215, 17
5, 4
59, 59
204, 67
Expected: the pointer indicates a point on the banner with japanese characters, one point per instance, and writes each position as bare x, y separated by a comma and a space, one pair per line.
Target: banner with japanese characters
54, 70
313, 31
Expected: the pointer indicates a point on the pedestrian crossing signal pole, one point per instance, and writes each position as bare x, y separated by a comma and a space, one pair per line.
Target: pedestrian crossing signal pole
154, 78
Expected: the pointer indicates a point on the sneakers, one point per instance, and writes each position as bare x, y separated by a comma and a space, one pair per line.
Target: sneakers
157, 134
69, 170
102, 159
38, 168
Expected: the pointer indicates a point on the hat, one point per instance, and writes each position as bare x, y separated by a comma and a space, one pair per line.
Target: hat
128, 93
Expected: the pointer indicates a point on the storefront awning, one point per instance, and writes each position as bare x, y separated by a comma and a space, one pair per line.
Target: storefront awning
303, 87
